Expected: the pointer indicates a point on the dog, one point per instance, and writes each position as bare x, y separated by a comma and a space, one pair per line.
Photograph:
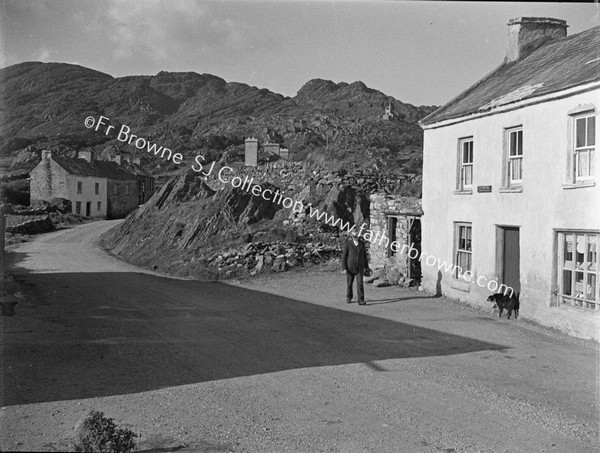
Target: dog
510, 303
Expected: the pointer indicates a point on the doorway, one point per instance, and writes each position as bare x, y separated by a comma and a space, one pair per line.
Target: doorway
414, 240
509, 257
88, 209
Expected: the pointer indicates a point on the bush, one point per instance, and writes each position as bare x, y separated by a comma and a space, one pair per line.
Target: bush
99, 434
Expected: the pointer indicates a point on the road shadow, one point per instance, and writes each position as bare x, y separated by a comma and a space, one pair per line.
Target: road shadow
83, 335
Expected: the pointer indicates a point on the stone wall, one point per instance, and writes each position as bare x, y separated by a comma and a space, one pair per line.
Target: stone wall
392, 266
294, 176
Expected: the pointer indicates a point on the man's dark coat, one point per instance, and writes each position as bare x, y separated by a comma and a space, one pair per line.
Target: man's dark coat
354, 258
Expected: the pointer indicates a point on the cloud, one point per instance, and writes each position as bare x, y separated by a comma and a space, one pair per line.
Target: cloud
159, 30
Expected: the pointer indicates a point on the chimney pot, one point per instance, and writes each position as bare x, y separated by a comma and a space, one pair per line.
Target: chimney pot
526, 34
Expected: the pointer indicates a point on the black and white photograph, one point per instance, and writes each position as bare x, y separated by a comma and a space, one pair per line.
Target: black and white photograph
299, 226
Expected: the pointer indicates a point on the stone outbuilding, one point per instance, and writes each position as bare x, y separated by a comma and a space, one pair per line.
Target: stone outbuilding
397, 219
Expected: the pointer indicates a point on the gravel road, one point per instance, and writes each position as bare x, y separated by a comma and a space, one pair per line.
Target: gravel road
278, 364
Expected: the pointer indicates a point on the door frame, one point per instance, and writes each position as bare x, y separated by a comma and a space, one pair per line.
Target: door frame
500, 229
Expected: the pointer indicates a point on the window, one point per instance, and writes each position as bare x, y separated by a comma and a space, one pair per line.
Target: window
392, 224
515, 156
116, 189
99, 208
78, 207
79, 186
126, 188
463, 248
97, 188
578, 270
465, 179
584, 141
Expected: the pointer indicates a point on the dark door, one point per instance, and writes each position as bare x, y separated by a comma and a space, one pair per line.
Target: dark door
88, 209
511, 273
414, 239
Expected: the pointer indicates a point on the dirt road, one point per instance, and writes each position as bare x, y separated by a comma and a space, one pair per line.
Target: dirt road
278, 364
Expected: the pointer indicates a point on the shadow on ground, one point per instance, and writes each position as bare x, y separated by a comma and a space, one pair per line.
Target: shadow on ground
82, 335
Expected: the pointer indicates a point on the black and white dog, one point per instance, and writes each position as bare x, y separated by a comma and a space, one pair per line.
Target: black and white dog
509, 303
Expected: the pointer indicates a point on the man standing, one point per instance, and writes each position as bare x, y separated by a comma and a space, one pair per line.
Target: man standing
355, 263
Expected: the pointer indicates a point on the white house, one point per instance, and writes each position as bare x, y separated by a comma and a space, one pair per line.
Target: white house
511, 189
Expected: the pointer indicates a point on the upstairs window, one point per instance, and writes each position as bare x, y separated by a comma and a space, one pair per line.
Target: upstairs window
515, 156
97, 188
79, 186
465, 176
584, 141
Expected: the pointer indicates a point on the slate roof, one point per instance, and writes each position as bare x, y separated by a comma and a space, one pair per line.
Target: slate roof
97, 168
555, 66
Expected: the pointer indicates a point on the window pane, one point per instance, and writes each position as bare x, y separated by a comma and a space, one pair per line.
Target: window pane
592, 253
591, 131
583, 163
567, 290
590, 290
515, 169
520, 143
580, 132
580, 251
513, 143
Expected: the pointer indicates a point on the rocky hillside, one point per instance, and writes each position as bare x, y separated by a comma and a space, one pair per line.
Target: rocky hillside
44, 106
200, 227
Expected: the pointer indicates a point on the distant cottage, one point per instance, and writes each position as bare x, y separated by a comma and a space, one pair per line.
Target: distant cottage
268, 152
95, 188
510, 180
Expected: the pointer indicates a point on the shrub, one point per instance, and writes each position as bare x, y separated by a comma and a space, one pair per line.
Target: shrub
99, 434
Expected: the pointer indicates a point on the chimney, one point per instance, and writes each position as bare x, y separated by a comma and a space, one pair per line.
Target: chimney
137, 161
87, 155
526, 34
251, 152
46, 154
118, 159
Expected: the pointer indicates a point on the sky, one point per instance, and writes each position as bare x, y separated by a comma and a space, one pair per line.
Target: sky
420, 52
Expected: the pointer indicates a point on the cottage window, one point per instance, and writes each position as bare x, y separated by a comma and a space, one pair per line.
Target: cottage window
392, 225
78, 207
584, 140
97, 188
578, 270
99, 208
79, 186
462, 259
465, 177
515, 156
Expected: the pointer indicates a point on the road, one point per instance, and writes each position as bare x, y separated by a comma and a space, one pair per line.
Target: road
277, 364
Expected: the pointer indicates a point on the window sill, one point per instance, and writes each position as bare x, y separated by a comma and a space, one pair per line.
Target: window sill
579, 185
463, 192
511, 189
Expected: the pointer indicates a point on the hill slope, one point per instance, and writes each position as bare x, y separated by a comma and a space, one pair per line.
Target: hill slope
44, 106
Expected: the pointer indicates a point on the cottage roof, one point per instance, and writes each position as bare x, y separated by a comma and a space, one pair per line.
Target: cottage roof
96, 168
557, 65
268, 156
